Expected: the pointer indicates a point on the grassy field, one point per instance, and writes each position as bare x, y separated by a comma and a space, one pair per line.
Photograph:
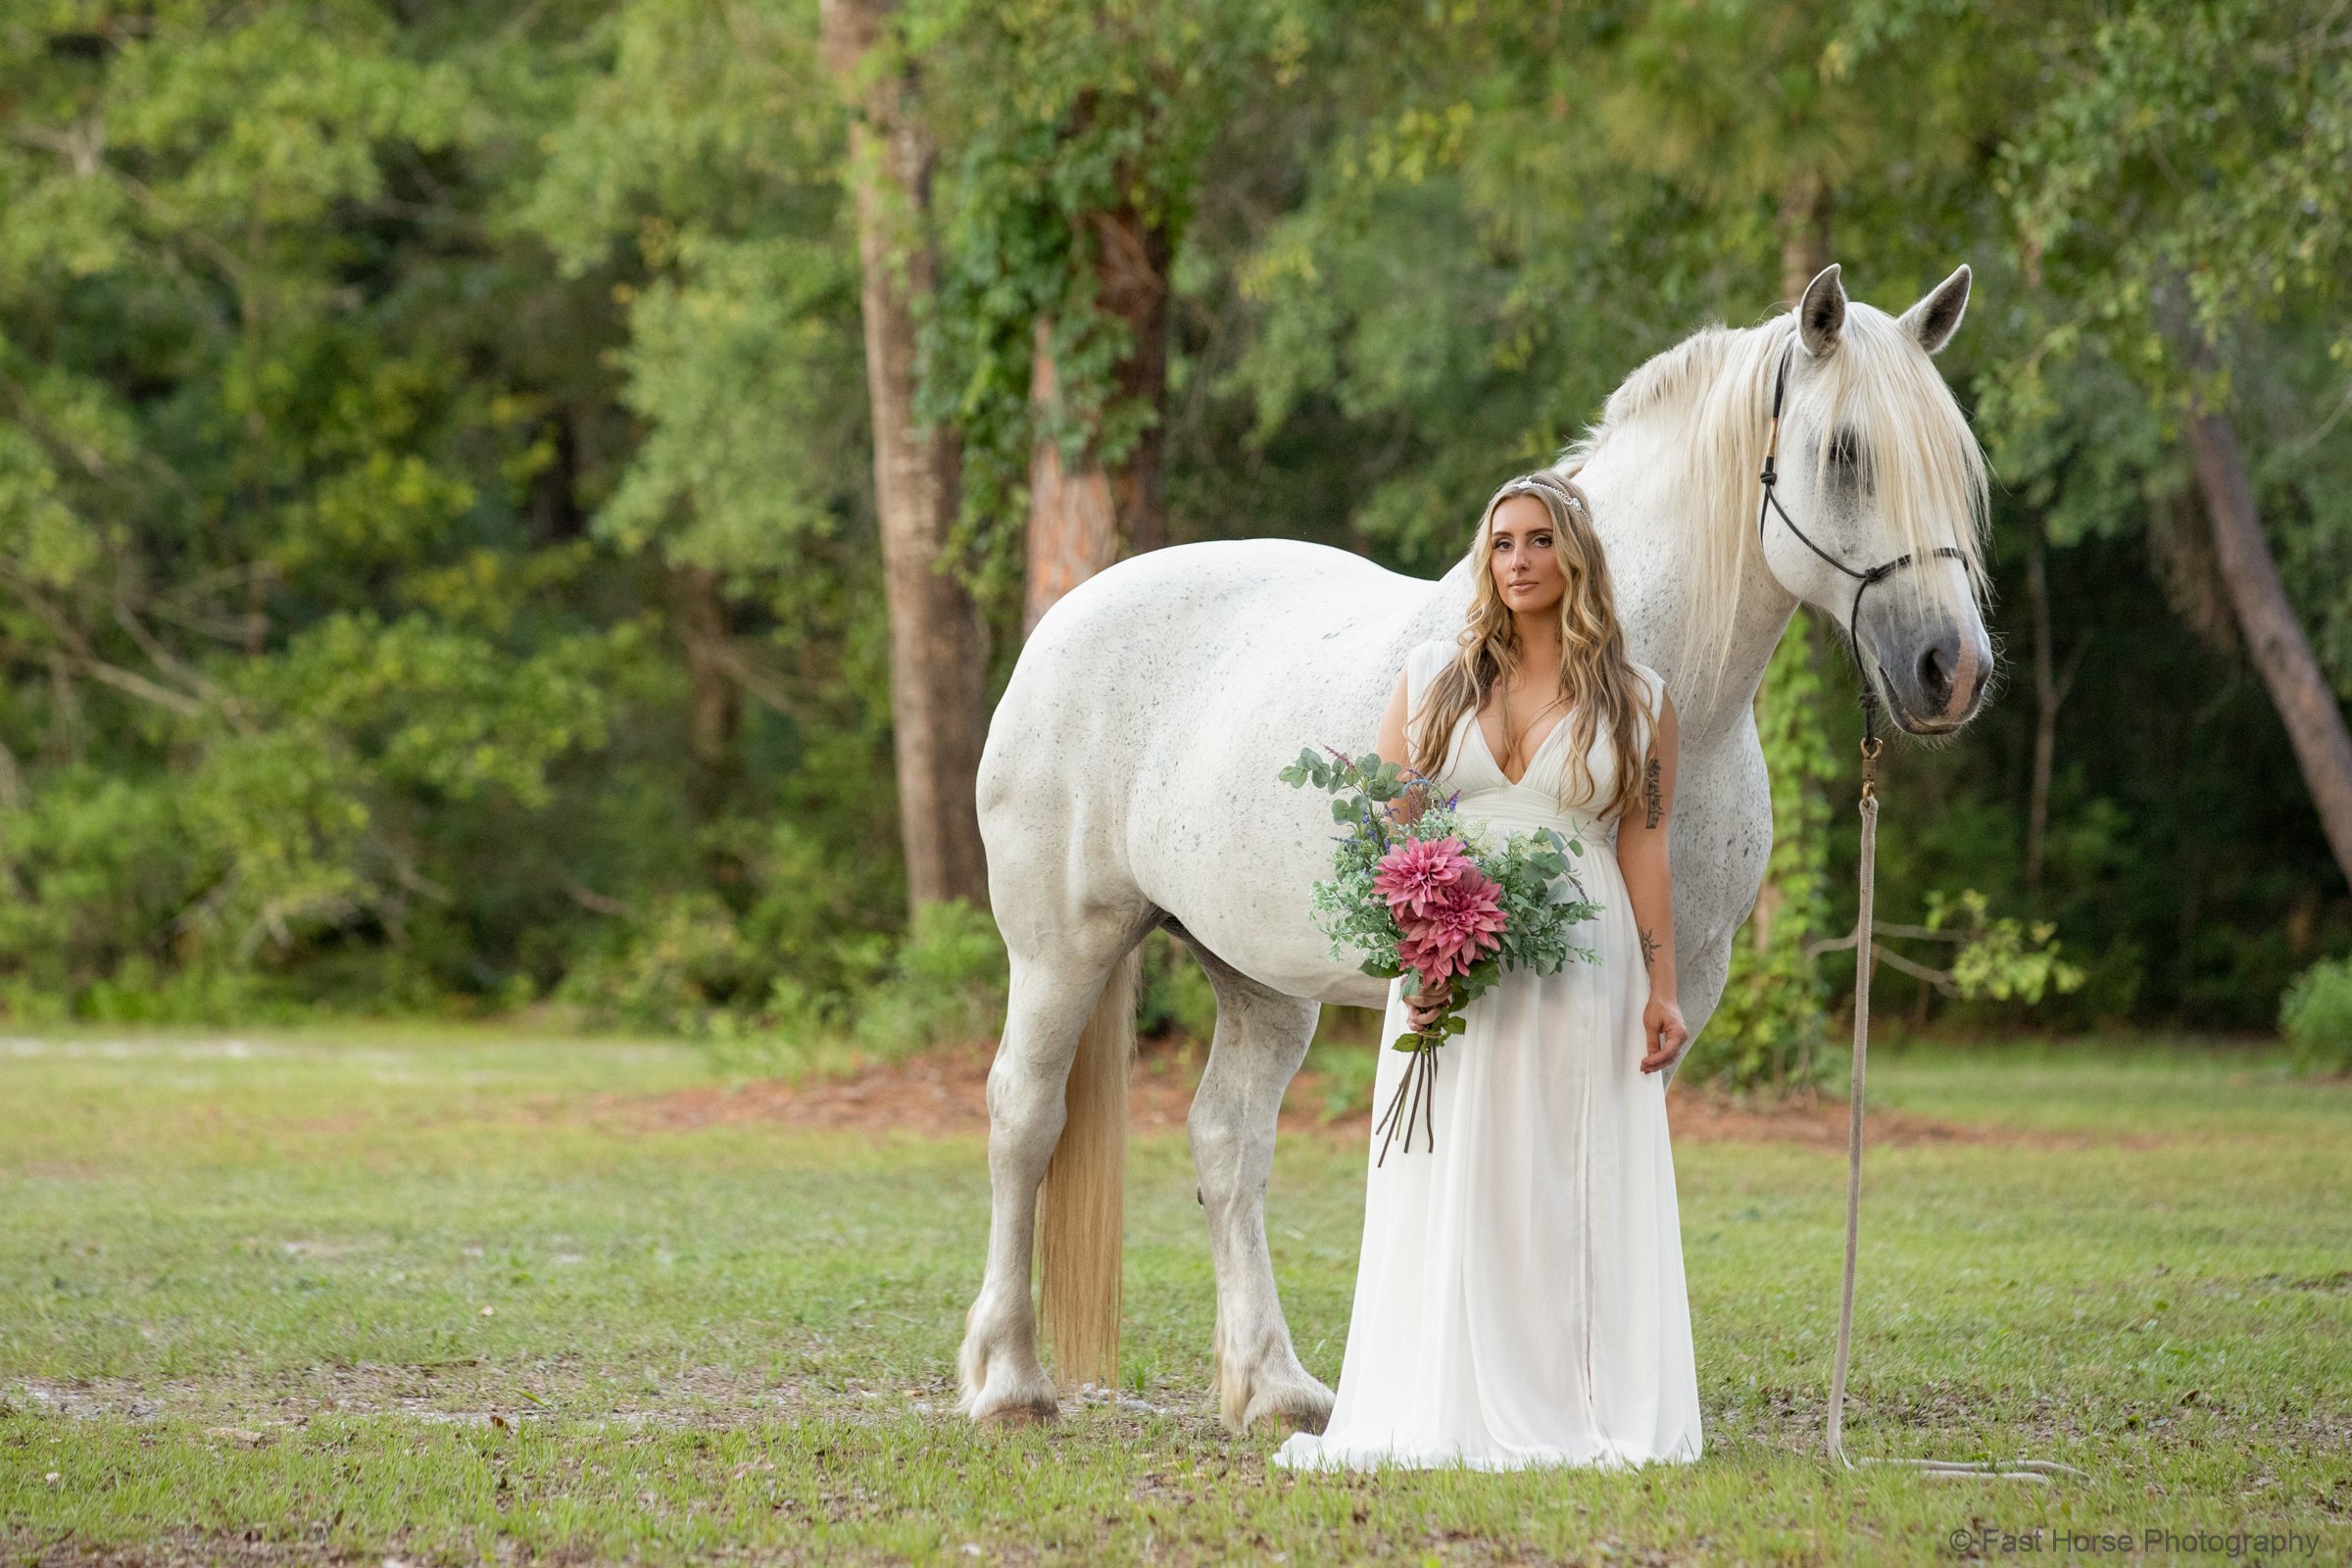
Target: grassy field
390, 1294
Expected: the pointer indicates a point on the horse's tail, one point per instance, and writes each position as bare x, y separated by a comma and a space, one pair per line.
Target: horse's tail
1082, 1204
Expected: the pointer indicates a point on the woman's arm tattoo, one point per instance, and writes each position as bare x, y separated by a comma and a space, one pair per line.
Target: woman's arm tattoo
1652, 798
1649, 947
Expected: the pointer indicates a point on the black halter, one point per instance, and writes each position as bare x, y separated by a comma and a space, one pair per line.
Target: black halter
1863, 578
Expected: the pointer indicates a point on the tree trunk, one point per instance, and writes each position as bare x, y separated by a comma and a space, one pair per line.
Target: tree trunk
1131, 259
2274, 640
1082, 513
554, 493
1074, 524
938, 643
1804, 233
714, 708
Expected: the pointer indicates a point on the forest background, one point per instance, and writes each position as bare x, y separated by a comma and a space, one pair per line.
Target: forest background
512, 505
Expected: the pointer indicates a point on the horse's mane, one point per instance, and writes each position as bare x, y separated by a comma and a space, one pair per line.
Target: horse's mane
1920, 458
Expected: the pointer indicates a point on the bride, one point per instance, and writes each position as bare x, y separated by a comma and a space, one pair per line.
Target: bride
1519, 1299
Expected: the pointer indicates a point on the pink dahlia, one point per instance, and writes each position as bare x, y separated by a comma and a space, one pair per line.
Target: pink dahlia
1419, 871
1458, 925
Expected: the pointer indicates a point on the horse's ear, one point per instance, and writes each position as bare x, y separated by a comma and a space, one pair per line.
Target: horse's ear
1936, 317
1821, 314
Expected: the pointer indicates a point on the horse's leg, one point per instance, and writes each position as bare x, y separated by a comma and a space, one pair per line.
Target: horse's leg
1721, 845
1052, 994
1261, 1037
1700, 980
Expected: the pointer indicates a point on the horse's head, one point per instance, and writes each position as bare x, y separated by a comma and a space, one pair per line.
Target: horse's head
1877, 464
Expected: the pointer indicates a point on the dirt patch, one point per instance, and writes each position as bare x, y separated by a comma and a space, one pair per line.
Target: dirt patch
467, 1391
249, 1549
1703, 1116
944, 1093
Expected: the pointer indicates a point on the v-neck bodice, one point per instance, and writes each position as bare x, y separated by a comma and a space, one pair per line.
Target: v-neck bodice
1532, 758
1539, 797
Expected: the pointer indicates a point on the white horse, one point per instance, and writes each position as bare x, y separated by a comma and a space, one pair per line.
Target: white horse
1129, 781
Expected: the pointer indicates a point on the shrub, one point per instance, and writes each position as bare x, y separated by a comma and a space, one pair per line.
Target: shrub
684, 965
947, 984
2316, 1016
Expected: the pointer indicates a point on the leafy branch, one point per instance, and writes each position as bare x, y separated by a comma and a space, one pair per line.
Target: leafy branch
1998, 959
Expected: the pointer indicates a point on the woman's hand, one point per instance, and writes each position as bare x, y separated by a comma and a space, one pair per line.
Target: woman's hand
1421, 1012
1663, 1033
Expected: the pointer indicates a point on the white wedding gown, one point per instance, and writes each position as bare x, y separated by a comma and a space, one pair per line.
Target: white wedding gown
1519, 1299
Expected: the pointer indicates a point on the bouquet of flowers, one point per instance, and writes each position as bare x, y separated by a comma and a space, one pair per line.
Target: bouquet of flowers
1437, 897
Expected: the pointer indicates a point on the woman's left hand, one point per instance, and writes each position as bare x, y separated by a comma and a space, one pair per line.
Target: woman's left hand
1663, 1034
1421, 1012
1407, 809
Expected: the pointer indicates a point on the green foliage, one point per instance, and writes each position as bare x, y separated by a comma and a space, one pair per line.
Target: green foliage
1768, 1031
788, 942
2001, 958
2132, 271
759, 1001
685, 968
436, 562
2316, 1016
1106, 137
392, 396
947, 984
2249, 93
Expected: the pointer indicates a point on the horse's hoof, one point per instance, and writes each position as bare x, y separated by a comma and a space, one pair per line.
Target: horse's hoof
1018, 1411
1289, 1411
1013, 1416
1282, 1423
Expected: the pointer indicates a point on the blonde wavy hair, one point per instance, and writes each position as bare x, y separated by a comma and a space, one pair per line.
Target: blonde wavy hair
1600, 688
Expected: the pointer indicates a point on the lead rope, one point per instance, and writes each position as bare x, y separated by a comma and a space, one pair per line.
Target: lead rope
2037, 1471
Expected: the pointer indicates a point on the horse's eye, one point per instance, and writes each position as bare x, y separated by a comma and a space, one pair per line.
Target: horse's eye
1845, 449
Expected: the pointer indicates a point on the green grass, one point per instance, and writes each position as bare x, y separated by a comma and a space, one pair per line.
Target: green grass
265, 1301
